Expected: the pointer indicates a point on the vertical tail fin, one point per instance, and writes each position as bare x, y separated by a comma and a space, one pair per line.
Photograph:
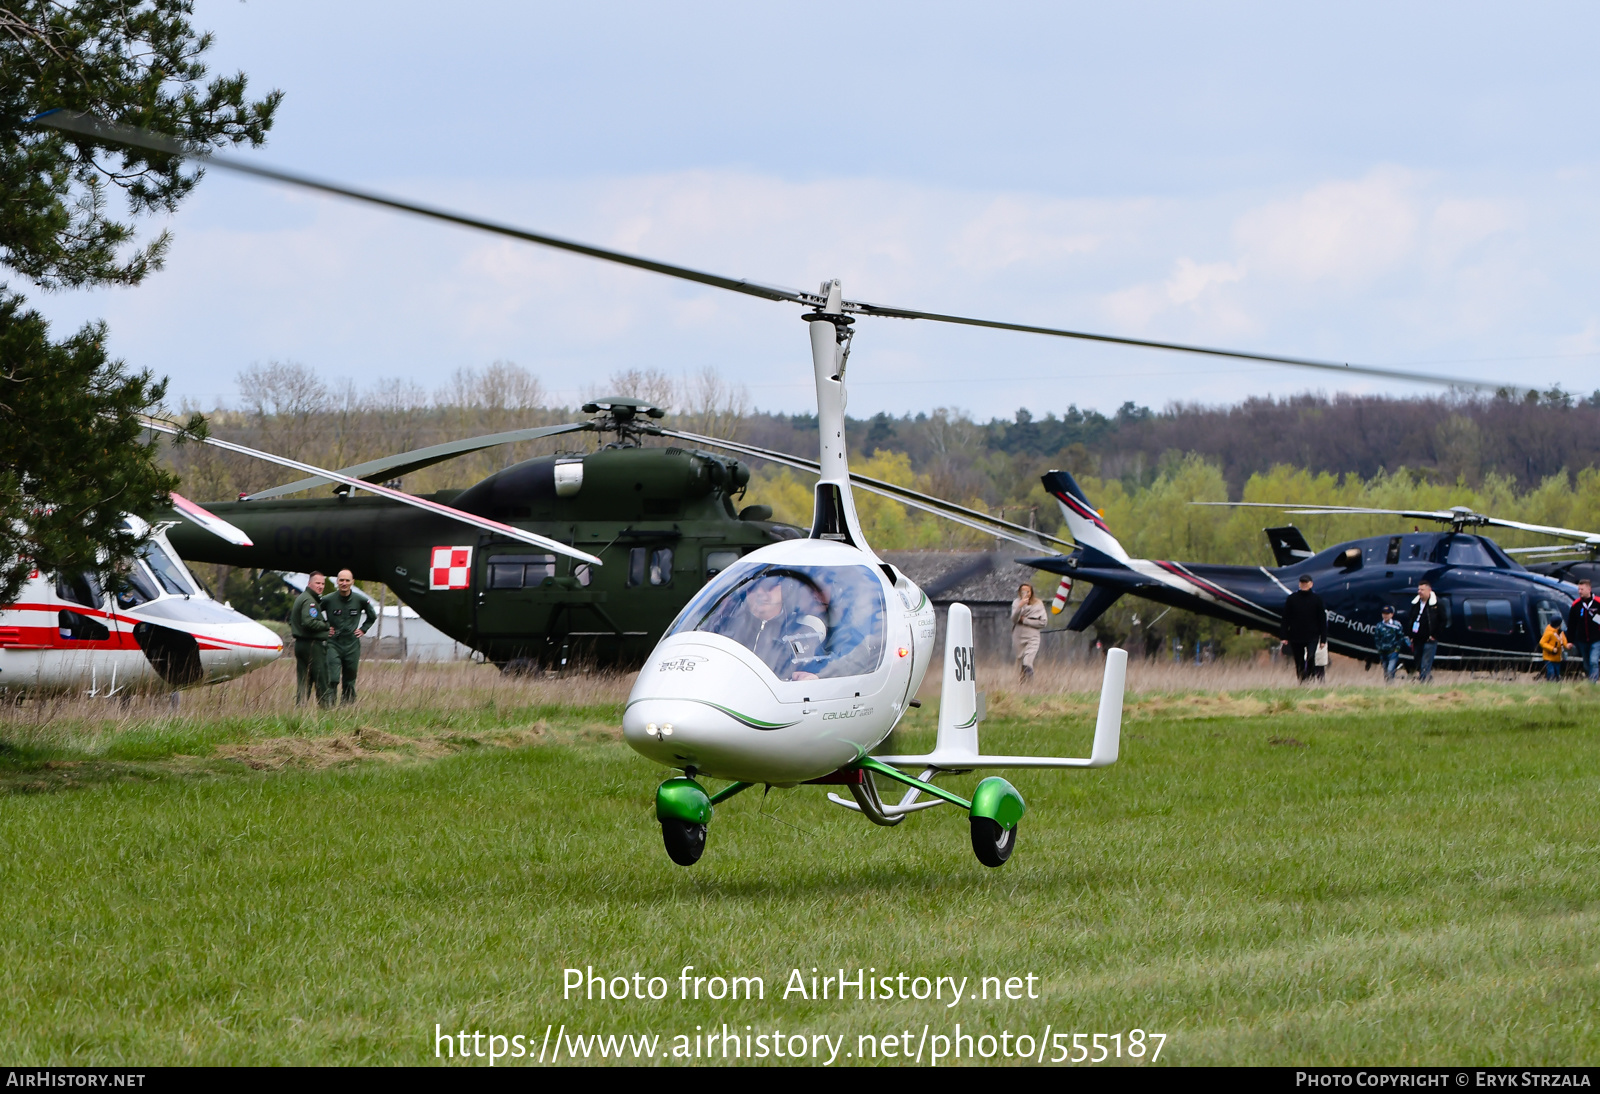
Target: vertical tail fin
958, 695
1108, 725
1086, 525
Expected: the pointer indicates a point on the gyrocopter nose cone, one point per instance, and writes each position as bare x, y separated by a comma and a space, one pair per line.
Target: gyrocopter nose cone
699, 706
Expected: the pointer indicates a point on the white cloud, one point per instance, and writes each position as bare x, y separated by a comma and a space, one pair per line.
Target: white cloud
1348, 232
1387, 266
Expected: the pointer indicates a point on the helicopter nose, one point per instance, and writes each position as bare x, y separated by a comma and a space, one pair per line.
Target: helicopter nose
239, 648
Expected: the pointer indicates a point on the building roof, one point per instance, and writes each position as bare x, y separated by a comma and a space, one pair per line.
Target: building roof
971, 577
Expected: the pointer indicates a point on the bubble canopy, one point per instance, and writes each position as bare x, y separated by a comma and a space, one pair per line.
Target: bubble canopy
803, 622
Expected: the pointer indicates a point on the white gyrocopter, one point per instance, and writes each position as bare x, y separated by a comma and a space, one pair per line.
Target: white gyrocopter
791, 665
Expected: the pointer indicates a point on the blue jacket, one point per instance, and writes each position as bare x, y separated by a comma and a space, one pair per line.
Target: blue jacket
1389, 636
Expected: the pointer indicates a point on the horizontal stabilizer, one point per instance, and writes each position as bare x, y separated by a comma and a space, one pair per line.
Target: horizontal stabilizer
1100, 598
1107, 735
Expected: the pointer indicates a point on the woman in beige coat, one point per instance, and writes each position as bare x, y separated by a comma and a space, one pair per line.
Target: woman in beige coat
1028, 618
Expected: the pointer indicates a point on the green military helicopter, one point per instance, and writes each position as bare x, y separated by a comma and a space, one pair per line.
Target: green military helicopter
662, 520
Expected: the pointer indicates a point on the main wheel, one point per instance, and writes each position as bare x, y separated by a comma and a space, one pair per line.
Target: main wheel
686, 842
991, 843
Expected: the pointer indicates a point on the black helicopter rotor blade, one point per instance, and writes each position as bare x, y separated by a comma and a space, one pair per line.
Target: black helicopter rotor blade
1460, 516
472, 519
958, 514
403, 463
110, 132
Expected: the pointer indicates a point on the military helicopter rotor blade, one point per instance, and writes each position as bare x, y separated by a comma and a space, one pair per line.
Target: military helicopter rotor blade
958, 514
110, 132
412, 500
403, 463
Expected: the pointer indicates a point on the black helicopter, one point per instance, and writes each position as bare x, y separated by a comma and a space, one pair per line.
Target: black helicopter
1493, 609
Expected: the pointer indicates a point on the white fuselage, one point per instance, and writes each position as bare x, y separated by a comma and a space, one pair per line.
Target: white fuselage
86, 640
731, 717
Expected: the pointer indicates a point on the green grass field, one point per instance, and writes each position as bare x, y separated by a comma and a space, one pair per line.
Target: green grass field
1348, 876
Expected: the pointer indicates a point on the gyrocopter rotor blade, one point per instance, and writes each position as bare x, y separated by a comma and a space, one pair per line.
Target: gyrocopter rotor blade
959, 514
1458, 517
383, 491
113, 133
403, 463
210, 521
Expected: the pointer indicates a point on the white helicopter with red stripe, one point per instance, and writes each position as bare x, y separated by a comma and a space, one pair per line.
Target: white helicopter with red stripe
159, 629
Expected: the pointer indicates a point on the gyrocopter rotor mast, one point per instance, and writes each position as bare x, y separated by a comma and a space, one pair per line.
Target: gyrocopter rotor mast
835, 514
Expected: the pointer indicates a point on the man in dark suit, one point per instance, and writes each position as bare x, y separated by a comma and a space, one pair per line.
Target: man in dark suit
1423, 630
1305, 627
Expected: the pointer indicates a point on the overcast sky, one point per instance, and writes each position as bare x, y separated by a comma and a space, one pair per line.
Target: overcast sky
1389, 183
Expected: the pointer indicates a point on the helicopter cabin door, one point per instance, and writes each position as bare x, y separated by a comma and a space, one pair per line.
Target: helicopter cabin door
515, 591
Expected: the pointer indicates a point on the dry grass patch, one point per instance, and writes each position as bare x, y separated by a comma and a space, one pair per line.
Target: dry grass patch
367, 743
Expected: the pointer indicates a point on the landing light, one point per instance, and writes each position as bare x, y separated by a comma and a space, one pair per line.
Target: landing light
903, 651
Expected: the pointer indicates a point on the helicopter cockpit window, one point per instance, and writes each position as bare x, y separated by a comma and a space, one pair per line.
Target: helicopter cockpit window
717, 561
169, 573
1548, 612
520, 571
81, 588
1467, 551
804, 622
134, 587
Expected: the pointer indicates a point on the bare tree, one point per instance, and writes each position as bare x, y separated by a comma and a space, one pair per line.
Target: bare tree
713, 406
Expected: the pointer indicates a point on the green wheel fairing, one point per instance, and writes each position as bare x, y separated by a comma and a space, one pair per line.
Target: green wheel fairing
682, 799
999, 801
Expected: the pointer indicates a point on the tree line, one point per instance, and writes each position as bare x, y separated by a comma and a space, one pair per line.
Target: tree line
1533, 460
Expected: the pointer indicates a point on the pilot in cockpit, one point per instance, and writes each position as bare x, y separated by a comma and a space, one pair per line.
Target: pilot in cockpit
771, 623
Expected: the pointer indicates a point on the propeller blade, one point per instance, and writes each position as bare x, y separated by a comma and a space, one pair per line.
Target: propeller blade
403, 463
958, 514
393, 495
210, 521
114, 133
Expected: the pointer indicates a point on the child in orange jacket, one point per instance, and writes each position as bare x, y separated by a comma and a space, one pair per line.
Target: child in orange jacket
1554, 645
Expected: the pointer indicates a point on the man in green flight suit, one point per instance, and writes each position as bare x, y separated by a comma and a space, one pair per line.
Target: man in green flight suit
309, 626
350, 612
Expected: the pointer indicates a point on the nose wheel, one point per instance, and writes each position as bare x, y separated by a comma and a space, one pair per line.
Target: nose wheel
684, 810
685, 841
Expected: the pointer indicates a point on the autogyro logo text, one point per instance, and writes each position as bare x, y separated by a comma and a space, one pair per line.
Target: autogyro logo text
685, 663
839, 715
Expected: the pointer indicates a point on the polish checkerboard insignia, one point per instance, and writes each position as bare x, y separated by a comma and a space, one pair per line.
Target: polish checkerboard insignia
451, 568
